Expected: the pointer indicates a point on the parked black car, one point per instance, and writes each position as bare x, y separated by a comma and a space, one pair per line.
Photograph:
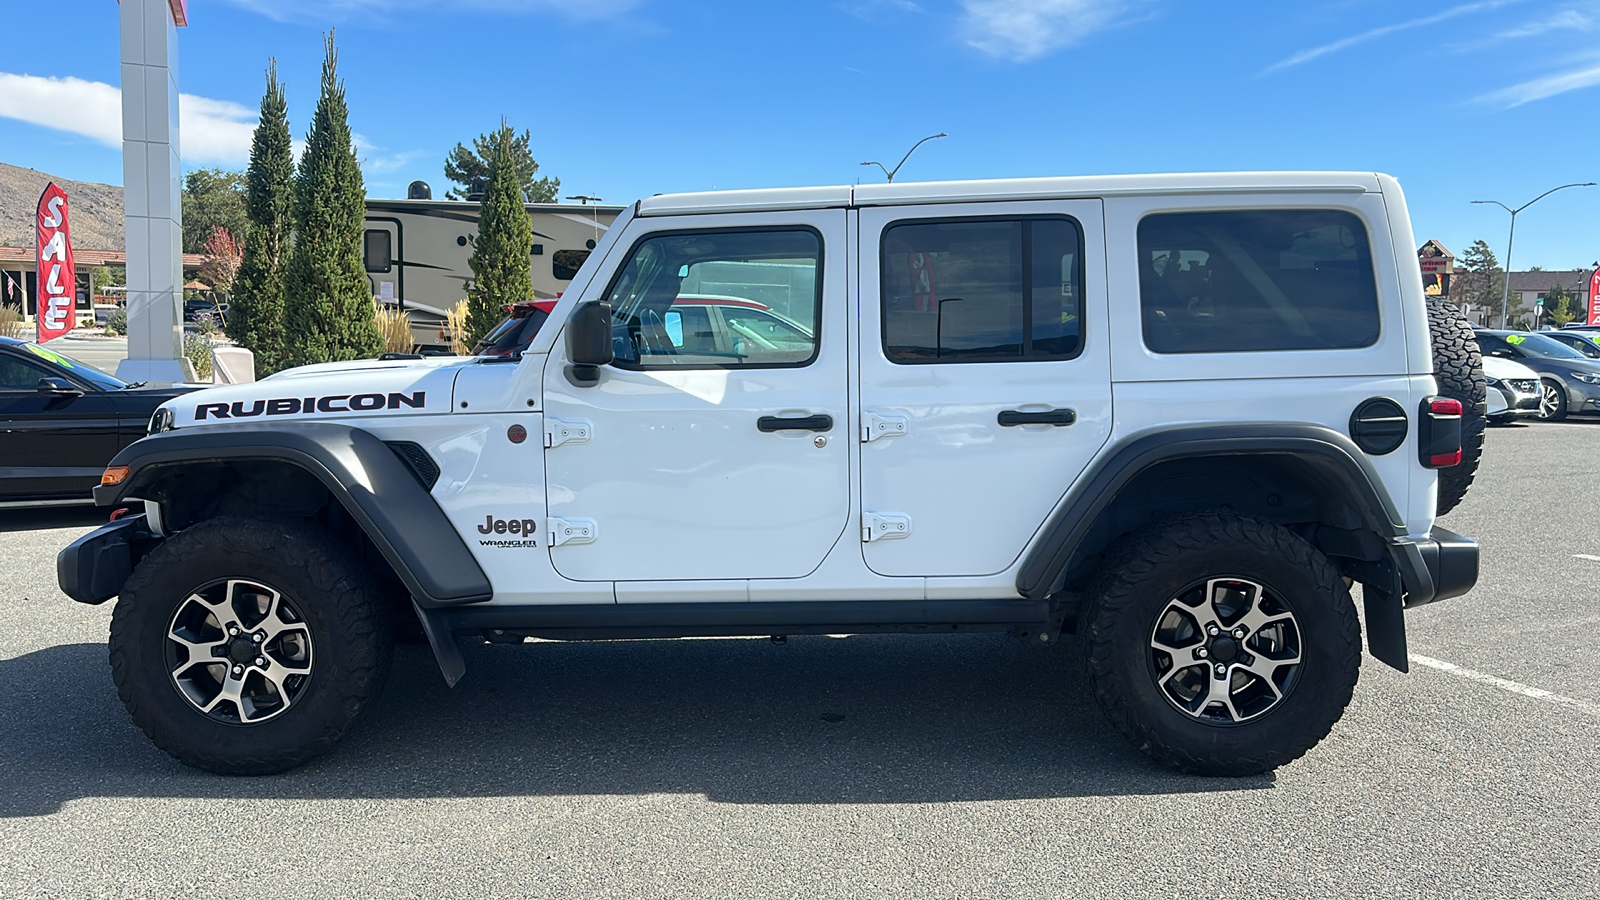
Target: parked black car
61, 421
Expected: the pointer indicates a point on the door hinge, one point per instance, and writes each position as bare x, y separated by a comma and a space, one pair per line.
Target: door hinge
874, 426
564, 431
884, 527
571, 531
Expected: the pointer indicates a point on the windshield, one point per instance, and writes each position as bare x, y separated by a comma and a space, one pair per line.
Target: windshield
83, 371
1541, 346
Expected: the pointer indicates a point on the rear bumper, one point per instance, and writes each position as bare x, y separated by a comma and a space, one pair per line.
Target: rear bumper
93, 568
1438, 567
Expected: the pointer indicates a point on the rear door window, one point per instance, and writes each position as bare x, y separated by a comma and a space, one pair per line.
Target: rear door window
1253, 280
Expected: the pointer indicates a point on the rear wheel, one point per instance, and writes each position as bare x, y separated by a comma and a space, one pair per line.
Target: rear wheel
1552, 400
1458, 367
1222, 645
247, 647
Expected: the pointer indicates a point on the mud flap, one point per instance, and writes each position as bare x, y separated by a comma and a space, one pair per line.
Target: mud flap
445, 649
1386, 622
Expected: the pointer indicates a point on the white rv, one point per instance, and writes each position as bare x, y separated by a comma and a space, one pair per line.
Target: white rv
416, 251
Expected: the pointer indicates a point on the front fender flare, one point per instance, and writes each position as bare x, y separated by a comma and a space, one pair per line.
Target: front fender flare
378, 490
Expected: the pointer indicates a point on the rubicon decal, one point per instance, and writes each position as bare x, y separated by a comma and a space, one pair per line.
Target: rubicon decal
289, 406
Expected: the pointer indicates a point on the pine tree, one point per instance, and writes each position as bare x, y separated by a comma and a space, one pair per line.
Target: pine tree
329, 299
255, 312
465, 166
501, 274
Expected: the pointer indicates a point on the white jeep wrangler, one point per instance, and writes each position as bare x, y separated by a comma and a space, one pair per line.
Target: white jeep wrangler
1178, 415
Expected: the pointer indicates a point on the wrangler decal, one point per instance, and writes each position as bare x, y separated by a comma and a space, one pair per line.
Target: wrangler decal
333, 403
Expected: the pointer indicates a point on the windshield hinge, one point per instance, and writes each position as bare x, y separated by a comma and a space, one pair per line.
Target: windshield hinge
884, 527
564, 431
874, 426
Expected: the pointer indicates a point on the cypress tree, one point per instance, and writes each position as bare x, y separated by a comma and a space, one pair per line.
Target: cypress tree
501, 271
329, 299
255, 313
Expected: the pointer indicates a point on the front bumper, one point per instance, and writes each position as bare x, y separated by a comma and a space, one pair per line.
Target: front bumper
1441, 566
93, 568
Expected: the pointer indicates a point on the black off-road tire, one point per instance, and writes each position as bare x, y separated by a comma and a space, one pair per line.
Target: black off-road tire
337, 600
1148, 570
1458, 367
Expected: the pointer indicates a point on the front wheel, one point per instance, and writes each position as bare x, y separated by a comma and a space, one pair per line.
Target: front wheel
247, 647
1221, 644
1552, 400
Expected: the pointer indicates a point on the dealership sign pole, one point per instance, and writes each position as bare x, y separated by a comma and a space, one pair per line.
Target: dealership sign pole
58, 278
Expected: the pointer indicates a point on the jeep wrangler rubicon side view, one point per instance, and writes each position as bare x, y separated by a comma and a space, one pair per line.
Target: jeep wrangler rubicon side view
1178, 415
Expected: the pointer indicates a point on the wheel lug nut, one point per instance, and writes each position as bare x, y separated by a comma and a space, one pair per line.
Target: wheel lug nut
258, 637
1222, 669
1202, 653
261, 661
238, 670
1213, 630
234, 630
1238, 633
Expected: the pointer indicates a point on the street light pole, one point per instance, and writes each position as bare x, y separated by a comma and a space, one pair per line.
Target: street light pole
896, 170
1505, 293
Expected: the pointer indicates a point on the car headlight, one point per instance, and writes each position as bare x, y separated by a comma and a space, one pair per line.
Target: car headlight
1587, 377
161, 420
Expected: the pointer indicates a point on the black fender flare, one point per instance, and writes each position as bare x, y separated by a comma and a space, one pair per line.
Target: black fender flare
379, 491
1330, 454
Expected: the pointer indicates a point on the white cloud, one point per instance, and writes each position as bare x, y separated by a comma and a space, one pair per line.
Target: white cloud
213, 131
345, 10
869, 10
1543, 88
1020, 30
1565, 20
1305, 56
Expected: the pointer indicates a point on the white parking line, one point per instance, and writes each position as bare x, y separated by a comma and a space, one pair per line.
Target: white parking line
1586, 556
1505, 684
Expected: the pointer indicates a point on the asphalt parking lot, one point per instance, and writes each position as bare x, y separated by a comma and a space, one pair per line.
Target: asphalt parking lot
865, 766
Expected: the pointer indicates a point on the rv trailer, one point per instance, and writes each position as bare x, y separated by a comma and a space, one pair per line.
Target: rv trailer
415, 253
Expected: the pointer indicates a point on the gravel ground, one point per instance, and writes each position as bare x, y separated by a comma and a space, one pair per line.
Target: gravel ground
865, 766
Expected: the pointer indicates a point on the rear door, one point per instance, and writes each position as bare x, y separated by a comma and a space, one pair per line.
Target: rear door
985, 377
52, 444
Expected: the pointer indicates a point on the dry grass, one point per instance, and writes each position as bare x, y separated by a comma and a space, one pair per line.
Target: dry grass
11, 324
394, 325
456, 319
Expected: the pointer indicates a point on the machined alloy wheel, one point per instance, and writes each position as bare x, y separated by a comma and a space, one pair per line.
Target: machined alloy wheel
1225, 650
1552, 400
239, 651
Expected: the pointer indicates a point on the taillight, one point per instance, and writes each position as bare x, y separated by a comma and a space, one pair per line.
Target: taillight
1439, 437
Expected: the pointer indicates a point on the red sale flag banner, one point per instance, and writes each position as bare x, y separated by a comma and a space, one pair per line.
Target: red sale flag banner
58, 278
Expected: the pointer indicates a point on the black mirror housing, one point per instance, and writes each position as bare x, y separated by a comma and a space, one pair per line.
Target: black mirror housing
588, 342
57, 386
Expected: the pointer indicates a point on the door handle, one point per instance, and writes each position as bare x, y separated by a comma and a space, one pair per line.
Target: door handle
1056, 417
797, 423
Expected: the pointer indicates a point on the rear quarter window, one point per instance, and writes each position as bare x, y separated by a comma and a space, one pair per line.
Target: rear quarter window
1254, 280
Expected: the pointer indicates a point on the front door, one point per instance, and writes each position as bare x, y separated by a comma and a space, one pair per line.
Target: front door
52, 444
985, 377
717, 445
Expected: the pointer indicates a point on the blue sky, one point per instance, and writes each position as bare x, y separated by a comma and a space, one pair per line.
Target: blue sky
625, 98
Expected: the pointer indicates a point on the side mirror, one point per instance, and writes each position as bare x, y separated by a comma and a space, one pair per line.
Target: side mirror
588, 343
58, 386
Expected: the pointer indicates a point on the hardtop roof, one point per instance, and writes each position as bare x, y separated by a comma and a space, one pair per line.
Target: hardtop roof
1007, 189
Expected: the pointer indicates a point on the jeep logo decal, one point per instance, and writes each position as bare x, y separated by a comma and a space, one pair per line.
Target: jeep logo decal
492, 525
288, 406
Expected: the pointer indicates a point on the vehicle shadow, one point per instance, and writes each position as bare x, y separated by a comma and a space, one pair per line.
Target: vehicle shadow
882, 719
35, 519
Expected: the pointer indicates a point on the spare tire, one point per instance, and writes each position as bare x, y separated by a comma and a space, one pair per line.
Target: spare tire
1458, 367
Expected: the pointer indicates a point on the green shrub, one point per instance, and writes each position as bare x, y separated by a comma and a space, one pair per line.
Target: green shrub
197, 347
118, 322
